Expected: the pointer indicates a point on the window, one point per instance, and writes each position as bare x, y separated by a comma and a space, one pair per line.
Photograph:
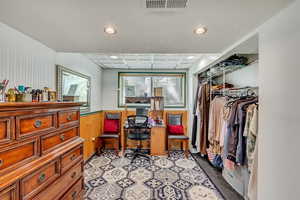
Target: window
136, 88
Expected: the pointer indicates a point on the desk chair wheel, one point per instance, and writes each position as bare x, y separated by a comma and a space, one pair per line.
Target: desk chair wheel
137, 154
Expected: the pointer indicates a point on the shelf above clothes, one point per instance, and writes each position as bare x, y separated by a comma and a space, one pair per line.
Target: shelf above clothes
226, 66
238, 92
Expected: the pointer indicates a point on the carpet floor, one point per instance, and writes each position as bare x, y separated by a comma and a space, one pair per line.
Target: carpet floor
216, 177
109, 177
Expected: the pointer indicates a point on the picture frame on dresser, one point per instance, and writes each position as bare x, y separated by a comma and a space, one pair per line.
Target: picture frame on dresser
73, 86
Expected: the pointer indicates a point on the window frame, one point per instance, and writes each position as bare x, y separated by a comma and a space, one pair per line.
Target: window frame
184, 87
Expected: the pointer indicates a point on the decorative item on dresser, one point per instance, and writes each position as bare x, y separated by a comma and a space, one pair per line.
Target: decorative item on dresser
40, 151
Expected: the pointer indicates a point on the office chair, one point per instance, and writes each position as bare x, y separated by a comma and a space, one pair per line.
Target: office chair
138, 129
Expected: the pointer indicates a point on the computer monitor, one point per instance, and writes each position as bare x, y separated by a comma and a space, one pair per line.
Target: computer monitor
142, 111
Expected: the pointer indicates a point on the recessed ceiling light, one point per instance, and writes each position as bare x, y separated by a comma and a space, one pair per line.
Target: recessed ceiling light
200, 30
113, 57
110, 30
190, 57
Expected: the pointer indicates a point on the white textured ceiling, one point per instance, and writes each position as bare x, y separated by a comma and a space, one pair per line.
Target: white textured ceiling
145, 61
77, 25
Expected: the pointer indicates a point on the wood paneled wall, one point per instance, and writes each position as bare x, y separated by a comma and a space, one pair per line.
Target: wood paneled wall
91, 126
145, 144
90, 129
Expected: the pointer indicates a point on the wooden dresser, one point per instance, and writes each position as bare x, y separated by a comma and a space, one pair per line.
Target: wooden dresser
41, 153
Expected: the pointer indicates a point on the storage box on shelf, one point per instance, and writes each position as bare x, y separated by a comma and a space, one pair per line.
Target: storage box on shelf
41, 153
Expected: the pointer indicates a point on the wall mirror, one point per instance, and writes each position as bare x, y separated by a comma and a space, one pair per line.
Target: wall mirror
73, 87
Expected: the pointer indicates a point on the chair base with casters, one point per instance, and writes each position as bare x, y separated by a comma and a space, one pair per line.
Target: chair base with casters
137, 154
138, 151
115, 140
184, 140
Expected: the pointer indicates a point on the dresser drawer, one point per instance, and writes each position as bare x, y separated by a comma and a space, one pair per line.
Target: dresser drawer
38, 180
10, 193
29, 125
67, 118
7, 129
17, 154
75, 193
57, 189
71, 157
54, 140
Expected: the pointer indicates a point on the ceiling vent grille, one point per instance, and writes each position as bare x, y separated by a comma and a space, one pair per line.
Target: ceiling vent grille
166, 3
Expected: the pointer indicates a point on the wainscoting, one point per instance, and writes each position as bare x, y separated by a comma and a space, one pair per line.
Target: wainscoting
146, 144
91, 126
90, 129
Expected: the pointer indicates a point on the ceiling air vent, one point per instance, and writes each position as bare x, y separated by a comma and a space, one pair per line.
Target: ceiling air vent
166, 3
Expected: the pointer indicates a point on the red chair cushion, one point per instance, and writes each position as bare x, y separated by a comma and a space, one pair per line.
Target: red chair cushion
111, 126
175, 130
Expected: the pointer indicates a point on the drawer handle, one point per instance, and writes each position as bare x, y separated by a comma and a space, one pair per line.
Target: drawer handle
1, 162
37, 123
42, 177
69, 118
74, 194
62, 137
73, 175
73, 157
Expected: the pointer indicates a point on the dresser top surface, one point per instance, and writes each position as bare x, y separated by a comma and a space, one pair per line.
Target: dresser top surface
6, 105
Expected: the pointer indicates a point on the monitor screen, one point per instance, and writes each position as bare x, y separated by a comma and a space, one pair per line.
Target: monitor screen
142, 111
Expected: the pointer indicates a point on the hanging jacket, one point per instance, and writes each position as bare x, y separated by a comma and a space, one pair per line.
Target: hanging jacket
195, 120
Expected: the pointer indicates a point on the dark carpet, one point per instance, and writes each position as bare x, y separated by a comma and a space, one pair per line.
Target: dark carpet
216, 177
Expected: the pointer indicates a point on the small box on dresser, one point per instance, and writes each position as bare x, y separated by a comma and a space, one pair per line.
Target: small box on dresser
41, 152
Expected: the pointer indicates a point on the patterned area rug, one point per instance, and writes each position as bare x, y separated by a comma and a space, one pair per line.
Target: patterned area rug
109, 177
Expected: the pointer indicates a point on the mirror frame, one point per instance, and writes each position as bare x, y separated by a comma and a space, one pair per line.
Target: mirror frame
59, 72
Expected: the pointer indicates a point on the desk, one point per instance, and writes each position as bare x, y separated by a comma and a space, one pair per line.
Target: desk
158, 140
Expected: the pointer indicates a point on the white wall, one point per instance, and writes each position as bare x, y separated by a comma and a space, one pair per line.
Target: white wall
81, 64
110, 90
110, 87
279, 136
244, 77
25, 61
204, 62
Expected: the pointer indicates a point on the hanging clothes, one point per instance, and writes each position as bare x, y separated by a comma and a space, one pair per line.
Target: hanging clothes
226, 115
195, 120
250, 131
252, 187
243, 136
229, 130
236, 141
204, 102
216, 123
240, 122
194, 131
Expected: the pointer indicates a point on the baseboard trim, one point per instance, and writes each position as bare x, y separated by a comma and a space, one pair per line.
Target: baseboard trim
90, 158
